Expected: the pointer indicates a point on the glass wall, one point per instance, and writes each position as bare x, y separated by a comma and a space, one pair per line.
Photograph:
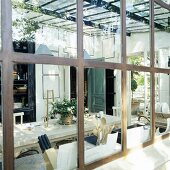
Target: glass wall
0, 27
162, 60
139, 112
1, 118
102, 113
162, 99
162, 37
102, 31
38, 24
137, 31
166, 1
45, 90
45, 116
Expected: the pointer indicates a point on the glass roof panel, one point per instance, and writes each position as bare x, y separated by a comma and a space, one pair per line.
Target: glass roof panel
95, 14
143, 13
31, 14
140, 7
102, 16
43, 17
54, 21
64, 23
166, 1
113, 21
136, 2
165, 15
161, 16
94, 11
160, 11
38, 3
61, 4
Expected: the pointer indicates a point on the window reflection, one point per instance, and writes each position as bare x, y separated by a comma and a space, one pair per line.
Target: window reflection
45, 107
162, 103
139, 113
138, 32
1, 119
103, 100
162, 35
41, 22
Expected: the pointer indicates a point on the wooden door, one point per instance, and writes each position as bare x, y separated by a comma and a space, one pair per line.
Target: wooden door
96, 89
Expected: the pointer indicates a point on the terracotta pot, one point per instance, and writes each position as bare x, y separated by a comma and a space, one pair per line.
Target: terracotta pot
134, 107
67, 120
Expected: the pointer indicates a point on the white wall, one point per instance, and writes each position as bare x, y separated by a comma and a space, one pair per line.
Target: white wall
61, 88
56, 40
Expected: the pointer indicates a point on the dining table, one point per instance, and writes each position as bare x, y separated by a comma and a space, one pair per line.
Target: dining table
26, 134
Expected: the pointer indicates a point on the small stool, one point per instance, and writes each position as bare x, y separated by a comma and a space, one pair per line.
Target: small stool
21, 114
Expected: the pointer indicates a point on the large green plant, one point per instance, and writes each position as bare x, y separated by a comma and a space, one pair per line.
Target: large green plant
136, 77
24, 26
134, 83
65, 107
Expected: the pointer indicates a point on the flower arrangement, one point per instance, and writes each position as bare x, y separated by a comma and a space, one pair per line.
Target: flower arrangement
66, 108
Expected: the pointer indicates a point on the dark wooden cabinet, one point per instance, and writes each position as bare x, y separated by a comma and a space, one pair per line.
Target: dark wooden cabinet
24, 91
24, 84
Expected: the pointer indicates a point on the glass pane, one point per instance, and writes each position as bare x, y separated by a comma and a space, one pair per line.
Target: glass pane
102, 31
162, 102
1, 117
45, 116
102, 113
139, 117
137, 31
162, 37
1, 28
50, 26
166, 1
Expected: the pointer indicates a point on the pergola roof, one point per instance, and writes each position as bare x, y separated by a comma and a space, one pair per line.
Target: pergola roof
99, 15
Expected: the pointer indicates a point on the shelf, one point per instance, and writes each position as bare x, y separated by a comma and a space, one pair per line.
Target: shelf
16, 82
20, 94
23, 109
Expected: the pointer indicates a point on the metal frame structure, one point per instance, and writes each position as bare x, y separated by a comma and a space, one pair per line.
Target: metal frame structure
8, 58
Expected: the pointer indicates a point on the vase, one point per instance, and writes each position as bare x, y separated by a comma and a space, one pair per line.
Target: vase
67, 120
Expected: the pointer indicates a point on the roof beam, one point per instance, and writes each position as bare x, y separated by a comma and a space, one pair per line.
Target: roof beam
113, 8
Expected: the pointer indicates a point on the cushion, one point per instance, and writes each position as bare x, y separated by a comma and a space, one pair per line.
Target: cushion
67, 156
165, 108
112, 139
91, 139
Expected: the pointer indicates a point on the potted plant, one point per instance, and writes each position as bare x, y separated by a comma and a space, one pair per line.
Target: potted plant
25, 30
66, 108
134, 83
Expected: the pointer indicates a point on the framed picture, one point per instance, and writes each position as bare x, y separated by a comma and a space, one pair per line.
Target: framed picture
51, 83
